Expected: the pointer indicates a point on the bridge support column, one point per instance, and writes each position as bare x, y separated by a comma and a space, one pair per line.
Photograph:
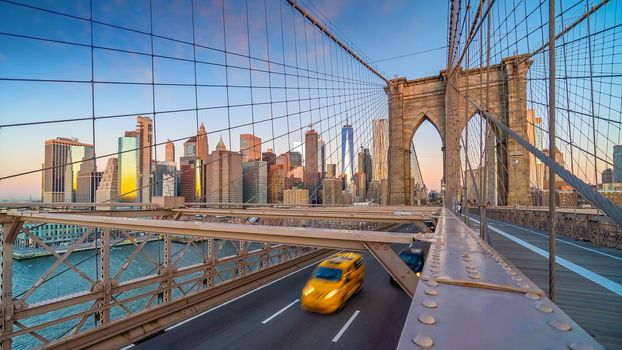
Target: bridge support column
518, 176
399, 159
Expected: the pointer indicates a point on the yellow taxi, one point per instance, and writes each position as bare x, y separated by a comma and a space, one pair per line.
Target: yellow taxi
333, 282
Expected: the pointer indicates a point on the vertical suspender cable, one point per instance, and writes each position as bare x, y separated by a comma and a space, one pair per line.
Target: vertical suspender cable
552, 193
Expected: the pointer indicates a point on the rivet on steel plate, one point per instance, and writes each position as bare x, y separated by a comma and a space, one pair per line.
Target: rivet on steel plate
533, 296
560, 325
575, 346
423, 341
431, 291
429, 303
427, 319
432, 283
544, 308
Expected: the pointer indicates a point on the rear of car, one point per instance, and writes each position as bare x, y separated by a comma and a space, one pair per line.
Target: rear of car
333, 282
414, 258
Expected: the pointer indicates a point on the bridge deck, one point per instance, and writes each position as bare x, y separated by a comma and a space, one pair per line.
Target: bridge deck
593, 302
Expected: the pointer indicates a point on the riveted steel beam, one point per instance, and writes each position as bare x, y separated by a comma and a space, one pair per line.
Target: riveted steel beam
345, 239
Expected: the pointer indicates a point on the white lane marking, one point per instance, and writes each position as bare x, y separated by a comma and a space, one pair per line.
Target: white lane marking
580, 270
280, 311
236, 298
345, 326
127, 347
561, 240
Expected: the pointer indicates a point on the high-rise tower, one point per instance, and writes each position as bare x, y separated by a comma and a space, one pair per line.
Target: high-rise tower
347, 151
144, 128
60, 179
311, 176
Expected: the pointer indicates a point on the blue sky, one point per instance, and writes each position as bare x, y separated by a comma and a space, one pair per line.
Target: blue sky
379, 29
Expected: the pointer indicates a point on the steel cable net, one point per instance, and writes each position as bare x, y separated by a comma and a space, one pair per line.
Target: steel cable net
205, 72
217, 101
588, 83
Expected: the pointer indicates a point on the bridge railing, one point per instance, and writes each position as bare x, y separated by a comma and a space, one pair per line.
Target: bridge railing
127, 274
585, 226
107, 275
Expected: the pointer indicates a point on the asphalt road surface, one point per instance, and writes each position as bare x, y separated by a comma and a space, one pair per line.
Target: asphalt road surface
271, 318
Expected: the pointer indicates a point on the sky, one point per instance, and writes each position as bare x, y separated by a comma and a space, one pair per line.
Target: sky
378, 30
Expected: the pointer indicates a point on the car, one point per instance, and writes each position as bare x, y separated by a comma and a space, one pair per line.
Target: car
430, 224
334, 281
413, 258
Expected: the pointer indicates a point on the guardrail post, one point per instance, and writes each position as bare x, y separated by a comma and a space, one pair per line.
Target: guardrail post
7, 237
104, 274
168, 250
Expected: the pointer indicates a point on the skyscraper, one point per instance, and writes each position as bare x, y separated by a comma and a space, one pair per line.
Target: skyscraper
145, 141
88, 180
299, 147
321, 158
128, 166
163, 170
188, 165
295, 159
617, 163
109, 185
276, 182
60, 179
365, 164
169, 151
255, 182
331, 170
607, 176
202, 145
224, 175
347, 151
284, 159
250, 147
311, 176
269, 157
380, 130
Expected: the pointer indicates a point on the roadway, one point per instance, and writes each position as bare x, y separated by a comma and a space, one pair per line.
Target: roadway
270, 317
589, 277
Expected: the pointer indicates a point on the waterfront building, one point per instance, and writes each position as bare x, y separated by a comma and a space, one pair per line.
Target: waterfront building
60, 178
108, 189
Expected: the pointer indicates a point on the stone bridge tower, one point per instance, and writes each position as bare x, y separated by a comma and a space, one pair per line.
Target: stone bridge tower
441, 101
